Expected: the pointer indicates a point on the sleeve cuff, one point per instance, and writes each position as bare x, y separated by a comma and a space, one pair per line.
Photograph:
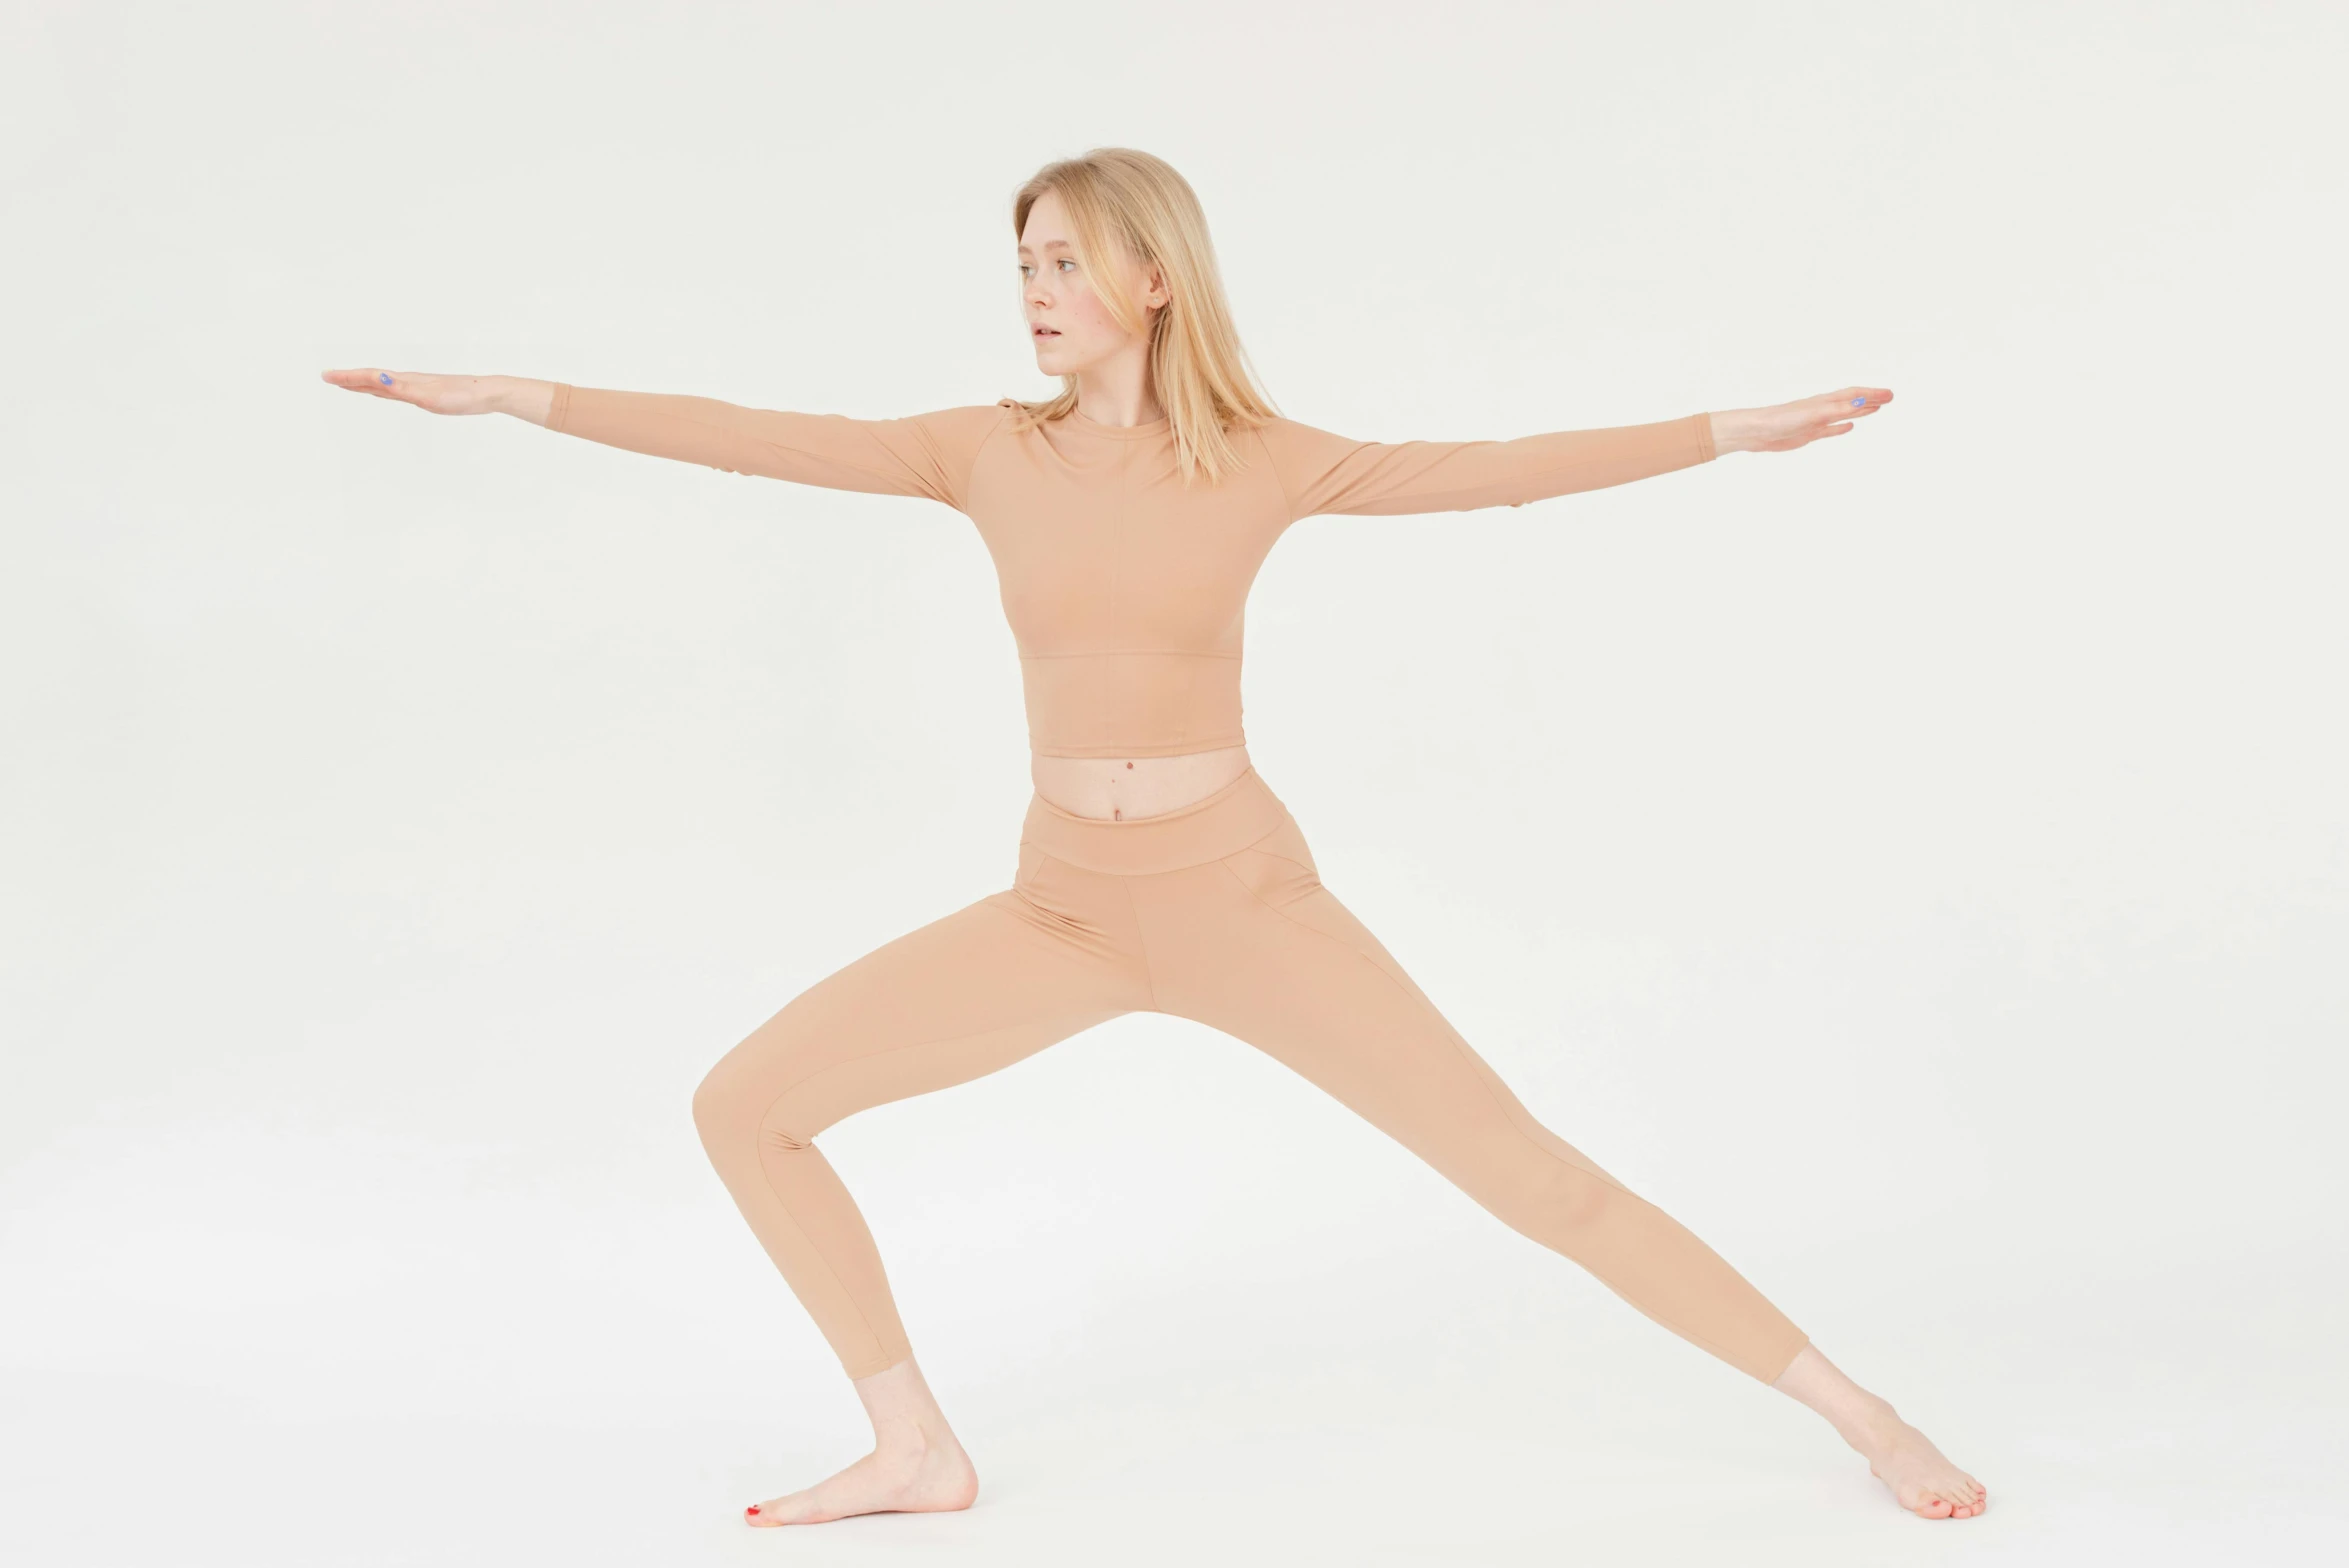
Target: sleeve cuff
560, 410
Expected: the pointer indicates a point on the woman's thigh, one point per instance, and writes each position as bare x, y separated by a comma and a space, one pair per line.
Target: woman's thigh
1256, 946
965, 995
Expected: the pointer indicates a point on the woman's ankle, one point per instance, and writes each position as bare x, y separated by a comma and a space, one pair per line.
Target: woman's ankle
905, 1415
1817, 1382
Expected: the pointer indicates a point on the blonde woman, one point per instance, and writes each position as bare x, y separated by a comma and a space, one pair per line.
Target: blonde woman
1156, 869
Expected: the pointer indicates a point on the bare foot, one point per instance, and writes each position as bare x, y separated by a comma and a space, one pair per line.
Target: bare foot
897, 1479
1922, 1479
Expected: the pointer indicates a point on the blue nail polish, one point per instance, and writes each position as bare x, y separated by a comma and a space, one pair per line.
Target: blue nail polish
1859, 402
380, 376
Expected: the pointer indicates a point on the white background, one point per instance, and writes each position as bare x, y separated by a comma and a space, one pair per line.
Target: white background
1917, 862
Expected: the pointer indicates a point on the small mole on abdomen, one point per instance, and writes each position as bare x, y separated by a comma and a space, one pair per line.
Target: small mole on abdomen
1129, 764
1116, 815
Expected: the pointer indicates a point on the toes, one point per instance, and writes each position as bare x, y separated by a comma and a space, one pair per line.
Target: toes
1964, 1501
1934, 1508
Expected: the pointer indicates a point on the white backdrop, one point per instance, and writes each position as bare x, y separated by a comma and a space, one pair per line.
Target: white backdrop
1917, 862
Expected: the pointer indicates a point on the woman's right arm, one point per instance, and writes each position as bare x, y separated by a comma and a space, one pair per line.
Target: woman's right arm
925, 455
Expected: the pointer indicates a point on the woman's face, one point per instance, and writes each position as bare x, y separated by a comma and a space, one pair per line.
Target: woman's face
1072, 329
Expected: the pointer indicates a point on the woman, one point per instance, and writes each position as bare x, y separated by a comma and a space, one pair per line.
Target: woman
1157, 871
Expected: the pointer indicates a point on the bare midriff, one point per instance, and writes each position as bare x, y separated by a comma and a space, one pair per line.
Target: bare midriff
1115, 789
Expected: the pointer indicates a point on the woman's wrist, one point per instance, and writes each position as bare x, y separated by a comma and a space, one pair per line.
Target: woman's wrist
522, 398
1731, 431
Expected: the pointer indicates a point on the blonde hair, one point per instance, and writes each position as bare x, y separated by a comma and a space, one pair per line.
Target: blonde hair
1119, 199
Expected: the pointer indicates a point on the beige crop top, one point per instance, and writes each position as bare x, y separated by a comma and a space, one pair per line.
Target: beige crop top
1125, 591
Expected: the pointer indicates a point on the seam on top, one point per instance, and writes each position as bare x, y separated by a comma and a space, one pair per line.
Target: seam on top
1436, 502
1002, 418
1288, 501
1147, 749
1111, 653
895, 480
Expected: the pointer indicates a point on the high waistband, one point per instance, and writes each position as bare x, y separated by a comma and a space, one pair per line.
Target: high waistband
1231, 819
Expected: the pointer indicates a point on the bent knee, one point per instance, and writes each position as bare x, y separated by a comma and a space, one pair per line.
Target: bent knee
714, 1103
732, 1107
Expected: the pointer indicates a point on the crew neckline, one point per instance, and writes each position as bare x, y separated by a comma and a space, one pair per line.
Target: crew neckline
1156, 427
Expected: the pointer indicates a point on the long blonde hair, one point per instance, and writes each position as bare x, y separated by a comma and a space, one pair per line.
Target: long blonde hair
1120, 199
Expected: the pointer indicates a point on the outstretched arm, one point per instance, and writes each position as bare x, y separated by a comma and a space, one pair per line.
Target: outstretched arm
924, 455
1321, 472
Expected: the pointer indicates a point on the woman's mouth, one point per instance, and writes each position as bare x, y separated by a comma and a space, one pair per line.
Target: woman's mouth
1046, 332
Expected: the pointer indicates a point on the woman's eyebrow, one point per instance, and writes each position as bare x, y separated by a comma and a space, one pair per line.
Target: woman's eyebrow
1048, 244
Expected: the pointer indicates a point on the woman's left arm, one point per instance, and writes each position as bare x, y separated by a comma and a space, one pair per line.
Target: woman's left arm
1321, 472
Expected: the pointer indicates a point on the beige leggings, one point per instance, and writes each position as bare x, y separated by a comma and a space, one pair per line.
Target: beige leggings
1213, 912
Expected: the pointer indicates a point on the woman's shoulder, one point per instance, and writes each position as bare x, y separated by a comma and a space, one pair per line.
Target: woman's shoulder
967, 425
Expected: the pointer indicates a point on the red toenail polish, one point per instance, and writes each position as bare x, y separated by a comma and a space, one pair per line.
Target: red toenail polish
752, 1509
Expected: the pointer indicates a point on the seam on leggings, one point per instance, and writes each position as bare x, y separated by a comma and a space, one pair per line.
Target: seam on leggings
783, 1203
1089, 871
1260, 838
1142, 942
1458, 1044
808, 1078
1287, 860
910, 1045
1449, 1033
874, 1056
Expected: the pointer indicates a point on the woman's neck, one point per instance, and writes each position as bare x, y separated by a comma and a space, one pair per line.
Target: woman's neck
1118, 393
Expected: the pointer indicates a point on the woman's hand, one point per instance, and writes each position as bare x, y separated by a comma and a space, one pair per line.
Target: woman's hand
1785, 426
529, 400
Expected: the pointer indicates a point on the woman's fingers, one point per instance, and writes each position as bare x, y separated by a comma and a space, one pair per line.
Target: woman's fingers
382, 383
434, 394
1799, 423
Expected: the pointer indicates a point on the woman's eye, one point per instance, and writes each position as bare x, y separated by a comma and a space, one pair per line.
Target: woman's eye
1065, 262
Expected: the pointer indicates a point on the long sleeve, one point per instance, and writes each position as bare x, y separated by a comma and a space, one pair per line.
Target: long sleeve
1321, 472
921, 455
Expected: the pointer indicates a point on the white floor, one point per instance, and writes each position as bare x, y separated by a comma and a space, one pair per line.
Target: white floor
1420, 1411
